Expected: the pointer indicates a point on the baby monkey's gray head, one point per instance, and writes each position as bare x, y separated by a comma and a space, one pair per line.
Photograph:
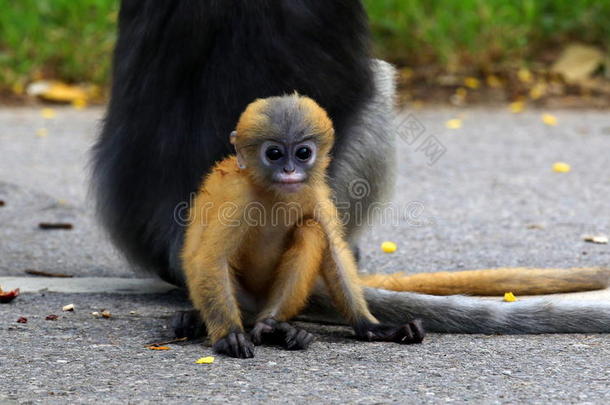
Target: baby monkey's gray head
284, 142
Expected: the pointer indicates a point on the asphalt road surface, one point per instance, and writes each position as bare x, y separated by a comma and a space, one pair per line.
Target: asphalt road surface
482, 195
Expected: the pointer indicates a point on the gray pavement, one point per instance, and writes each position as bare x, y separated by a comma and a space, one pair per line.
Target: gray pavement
490, 200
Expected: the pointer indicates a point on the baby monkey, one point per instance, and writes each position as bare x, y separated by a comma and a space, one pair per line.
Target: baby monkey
264, 224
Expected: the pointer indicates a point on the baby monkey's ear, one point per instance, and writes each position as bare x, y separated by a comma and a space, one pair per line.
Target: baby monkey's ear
240, 159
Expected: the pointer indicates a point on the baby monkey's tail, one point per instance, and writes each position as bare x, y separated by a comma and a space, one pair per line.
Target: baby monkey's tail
493, 282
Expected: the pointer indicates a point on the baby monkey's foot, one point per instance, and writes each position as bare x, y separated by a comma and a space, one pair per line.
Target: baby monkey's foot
270, 331
412, 332
235, 344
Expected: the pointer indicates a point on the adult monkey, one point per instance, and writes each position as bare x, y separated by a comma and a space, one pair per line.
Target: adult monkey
184, 71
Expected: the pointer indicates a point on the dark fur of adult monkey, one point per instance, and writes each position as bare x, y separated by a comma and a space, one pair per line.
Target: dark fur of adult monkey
185, 70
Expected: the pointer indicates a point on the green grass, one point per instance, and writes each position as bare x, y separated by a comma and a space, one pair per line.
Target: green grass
67, 39
72, 39
483, 32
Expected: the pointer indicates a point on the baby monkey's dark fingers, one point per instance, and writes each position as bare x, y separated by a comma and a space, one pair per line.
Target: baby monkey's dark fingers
412, 332
235, 344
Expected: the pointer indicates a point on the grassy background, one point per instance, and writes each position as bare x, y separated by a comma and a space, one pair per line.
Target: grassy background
72, 39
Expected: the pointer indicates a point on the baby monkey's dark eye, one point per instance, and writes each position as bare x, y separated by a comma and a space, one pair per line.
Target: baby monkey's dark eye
274, 153
303, 153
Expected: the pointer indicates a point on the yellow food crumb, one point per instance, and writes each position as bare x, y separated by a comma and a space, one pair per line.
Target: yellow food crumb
516, 107
454, 123
42, 132
561, 167
509, 297
79, 103
472, 82
549, 119
205, 360
47, 113
389, 247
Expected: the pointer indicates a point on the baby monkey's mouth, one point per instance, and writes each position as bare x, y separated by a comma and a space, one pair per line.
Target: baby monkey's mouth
289, 182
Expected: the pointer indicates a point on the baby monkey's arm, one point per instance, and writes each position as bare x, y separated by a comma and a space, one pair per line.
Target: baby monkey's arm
211, 239
341, 276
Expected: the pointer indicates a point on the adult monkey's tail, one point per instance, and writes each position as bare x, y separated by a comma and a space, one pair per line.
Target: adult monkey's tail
459, 314
493, 282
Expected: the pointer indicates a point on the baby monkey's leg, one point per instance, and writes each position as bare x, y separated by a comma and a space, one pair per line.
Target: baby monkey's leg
294, 281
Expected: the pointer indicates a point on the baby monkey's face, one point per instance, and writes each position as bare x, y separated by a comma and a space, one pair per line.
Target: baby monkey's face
287, 164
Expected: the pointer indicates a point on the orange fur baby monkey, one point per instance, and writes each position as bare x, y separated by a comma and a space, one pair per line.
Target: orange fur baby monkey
282, 152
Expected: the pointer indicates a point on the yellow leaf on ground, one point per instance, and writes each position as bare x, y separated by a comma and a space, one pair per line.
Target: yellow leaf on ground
79, 103
389, 247
493, 81
509, 297
549, 119
454, 123
538, 91
62, 92
472, 82
525, 75
159, 348
47, 113
561, 167
516, 107
205, 360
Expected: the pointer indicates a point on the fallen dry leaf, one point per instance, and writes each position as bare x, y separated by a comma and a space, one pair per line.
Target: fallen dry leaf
525, 75
22, 319
106, 314
472, 82
578, 62
493, 81
57, 91
8, 296
158, 348
46, 274
598, 239
157, 344
52, 317
55, 225
2, 203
